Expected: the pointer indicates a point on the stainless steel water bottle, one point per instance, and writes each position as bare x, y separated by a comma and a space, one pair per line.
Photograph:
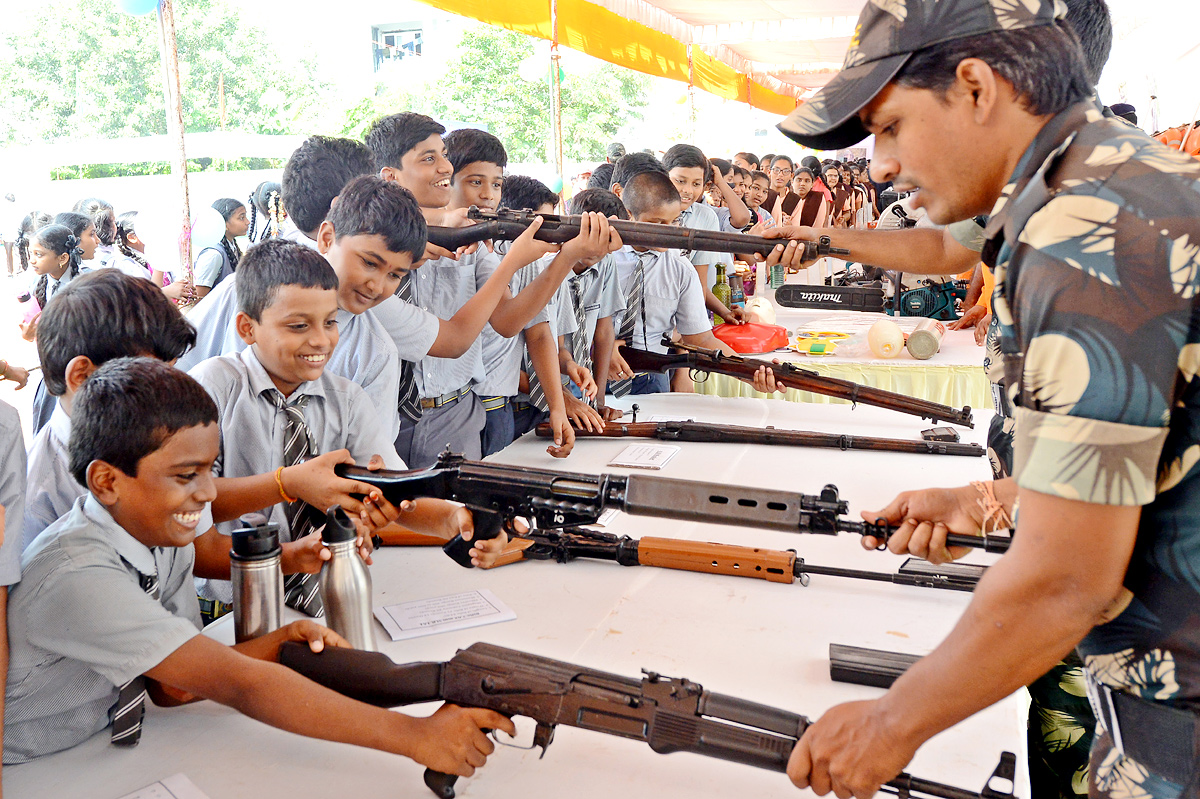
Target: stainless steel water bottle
346, 583
257, 579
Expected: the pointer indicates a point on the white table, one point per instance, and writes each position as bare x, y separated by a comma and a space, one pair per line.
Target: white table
762, 641
954, 376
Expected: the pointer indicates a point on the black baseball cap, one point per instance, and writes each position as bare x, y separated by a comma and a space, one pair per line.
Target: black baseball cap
888, 33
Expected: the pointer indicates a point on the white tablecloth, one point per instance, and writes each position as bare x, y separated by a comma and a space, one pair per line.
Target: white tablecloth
762, 641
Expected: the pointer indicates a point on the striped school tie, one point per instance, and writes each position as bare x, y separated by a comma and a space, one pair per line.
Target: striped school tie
581, 353
300, 591
131, 699
408, 402
537, 394
635, 307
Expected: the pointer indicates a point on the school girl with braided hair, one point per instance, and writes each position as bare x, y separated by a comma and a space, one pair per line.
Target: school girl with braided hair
129, 254
236, 224
264, 201
54, 256
105, 221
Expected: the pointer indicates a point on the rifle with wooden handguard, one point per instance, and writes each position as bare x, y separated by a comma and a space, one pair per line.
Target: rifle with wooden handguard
507, 224
497, 494
669, 714
703, 360
772, 565
730, 434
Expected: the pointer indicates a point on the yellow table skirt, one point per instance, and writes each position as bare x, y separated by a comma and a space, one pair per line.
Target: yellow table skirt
950, 385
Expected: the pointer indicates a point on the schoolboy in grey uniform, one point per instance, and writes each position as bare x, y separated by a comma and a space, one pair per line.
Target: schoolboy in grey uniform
409, 149
106, 612
662, 290
97, 318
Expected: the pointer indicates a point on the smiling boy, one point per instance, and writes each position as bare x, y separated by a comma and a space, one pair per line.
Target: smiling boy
106, 609
409, 149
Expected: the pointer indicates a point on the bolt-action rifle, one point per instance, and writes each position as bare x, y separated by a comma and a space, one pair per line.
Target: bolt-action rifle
772, 565
507, 224
669, 714
731, 434
700, 359
497, 494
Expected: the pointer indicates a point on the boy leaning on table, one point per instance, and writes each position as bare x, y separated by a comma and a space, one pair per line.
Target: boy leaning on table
106, 610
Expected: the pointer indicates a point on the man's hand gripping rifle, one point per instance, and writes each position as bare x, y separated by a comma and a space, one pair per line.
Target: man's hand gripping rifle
669, 714
506, 225
497, 494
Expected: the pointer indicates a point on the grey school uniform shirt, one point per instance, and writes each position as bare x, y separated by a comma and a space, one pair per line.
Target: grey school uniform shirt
365, 353
12, 492
441, 287
601, 296
50, 488
339, 415
502, 356
673, 297
80, 626
699, 216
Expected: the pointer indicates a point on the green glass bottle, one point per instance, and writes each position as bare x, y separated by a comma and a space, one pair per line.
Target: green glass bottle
722, 292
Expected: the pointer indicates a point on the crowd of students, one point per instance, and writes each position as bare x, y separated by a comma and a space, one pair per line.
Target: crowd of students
339, 335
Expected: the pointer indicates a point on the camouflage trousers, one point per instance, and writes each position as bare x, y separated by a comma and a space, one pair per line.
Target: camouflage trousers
1061, 726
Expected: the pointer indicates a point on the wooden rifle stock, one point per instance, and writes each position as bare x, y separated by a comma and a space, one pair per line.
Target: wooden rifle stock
506, 225
731, 434
702, 360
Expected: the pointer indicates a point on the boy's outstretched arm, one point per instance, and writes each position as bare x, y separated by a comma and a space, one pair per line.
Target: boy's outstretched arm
596, 239
603, 345
543, 352
457, 334
739, 214
451, 740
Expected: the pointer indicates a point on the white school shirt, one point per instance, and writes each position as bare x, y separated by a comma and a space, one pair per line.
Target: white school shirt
700, 216
502, 356
672, 297
600, 292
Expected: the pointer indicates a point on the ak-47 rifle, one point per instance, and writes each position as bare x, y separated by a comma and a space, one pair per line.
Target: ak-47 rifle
703, 360
669, 714
772, 565
496, 494
730, 434
507, 224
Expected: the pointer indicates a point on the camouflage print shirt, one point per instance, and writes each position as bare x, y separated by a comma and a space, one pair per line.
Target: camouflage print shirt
1095, 243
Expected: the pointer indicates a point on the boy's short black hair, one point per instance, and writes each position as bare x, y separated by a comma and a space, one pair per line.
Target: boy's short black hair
602, 201
316, 173
392, 136
686, 156
601, 177
370, 205
629, 166
468, 145
105, 315
274, 263
128, 408
741, 172
758, 174
721, 165
648, 191
523, 193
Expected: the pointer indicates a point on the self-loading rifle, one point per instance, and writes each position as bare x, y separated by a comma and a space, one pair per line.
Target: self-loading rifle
670, 714
731, 434
772, 565
507, 224
497, 494
700, 359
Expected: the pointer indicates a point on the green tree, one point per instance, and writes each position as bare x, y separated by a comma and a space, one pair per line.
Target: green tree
484, 88
90, 70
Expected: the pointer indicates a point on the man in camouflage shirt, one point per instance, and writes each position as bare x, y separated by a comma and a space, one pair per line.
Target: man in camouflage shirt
1094, 233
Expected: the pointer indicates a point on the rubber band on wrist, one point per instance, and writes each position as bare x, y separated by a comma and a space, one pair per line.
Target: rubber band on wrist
279, 482
994, 513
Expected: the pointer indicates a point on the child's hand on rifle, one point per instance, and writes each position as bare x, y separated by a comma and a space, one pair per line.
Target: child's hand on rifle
582, 377
458, 520
596, 239
453, 741
564, 435
582, 415
764, 381
791, 252
526, 249
315, 482
618, 369
456, 217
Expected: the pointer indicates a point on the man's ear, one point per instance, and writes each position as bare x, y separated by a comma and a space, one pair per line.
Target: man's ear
390, 173
245, 327
616, 189
976, 79
325, 236
78, 370
102, 480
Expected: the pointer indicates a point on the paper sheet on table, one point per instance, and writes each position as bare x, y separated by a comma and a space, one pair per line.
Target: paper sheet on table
443, 614
645, 456
177, 786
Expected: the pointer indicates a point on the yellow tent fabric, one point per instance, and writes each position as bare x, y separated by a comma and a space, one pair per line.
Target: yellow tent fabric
591, 29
